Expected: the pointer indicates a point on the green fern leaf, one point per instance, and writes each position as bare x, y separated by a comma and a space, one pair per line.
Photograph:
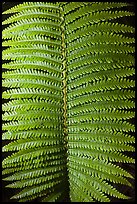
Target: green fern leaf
68, 108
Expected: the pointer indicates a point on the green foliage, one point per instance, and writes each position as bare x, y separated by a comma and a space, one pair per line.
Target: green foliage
69, 89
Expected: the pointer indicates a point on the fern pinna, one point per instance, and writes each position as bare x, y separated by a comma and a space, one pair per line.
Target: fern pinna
68, 70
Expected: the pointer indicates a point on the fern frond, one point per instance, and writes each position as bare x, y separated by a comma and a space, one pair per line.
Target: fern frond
101, 115
30, 165
30, 124
101, 106
91, 59
38, 56
36, 189
32, 197
34, 181
100, 155
30, 92
68, 100
101, 166
27, 143
97, 136
108, 146
28, 5
34, 31
100, 49
100, 38
97, 17
34, 173
41, 49
103, 125
100, 67
90, 9
98, 75
41, 133
55, 196
20, 115
105, 96
19, 64
89, 189
34, 74
32, 104
27, 83
30, 23
76, 195
101, 27
32, 40
102, 186
28, 154
31, 13
100, 175
72, 6
102, 85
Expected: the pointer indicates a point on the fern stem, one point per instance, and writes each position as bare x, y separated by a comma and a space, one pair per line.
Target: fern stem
64, 73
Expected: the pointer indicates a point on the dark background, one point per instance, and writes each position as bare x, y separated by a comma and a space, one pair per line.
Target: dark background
7, 193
